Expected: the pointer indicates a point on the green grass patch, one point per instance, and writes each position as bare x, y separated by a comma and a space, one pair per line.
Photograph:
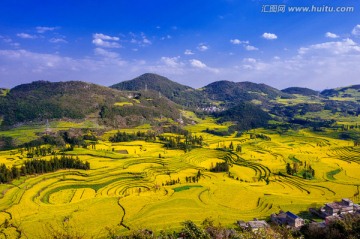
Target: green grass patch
330, 175
183, 188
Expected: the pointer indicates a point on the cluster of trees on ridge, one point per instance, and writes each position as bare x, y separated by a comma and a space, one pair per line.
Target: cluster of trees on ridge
40, 166
307, 173
72, 137
126, 137
220, 167
185, 142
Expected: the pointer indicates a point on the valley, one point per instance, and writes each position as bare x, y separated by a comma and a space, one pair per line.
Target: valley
171, 163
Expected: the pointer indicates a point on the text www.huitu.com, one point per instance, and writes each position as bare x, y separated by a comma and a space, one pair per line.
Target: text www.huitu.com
310, 9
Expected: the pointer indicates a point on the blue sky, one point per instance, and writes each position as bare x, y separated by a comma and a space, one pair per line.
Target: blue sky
193, 42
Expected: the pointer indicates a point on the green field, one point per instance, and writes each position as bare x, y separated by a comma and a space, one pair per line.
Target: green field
128, 190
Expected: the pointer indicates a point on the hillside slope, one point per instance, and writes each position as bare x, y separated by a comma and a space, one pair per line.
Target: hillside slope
300, 91
235, 92
76, 100
180, 94
344, 92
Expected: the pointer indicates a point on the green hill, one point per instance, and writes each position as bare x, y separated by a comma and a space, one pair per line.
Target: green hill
343, 92
300, 91
78, 100
180, 94
245, 115
235, 92
46, 100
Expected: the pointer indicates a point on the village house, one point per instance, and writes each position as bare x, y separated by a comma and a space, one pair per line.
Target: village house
334, 209
254, 225
287, 218
338, 208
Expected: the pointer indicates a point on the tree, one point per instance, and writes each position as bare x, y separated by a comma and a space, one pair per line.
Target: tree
238, 148
231, 146
190, 230
288, 169
198, 174
295, 167
15, 172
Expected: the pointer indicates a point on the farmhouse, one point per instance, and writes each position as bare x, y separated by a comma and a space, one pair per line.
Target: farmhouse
287, 218
254, 225
337, 208
294, 220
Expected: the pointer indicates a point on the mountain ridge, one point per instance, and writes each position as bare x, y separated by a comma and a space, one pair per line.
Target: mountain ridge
164, 98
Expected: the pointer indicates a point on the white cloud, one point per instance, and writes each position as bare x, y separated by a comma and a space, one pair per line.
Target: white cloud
105, 53
238, 42
251, 48
146, 41
9, 41
141, 39
356, 30
57, 40
105, 37
200, 65
167, 37
318, 66
188, 52
45, 29
249, 60
323, 65
346, 46
101, 40
54, 67
172, 61
26, 36
107, 44
197, 64
202, 47
331, 35
269, 36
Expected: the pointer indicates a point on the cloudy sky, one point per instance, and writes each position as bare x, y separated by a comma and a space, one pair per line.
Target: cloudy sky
193, 42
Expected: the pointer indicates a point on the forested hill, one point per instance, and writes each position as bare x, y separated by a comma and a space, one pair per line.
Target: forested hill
345, 92
151, 97
180, 94
42, 99
301, 91
235, 92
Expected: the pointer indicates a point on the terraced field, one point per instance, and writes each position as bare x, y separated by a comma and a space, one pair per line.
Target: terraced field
126, 185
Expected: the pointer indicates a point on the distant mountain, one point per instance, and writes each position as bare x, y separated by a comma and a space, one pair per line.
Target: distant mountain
128, 104
180, 94
300, 91
234, 92
77, 100
345, 92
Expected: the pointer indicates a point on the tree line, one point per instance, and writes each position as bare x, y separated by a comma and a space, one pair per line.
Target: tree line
186, 143
125, 137
220, 167
307, 173
40, 166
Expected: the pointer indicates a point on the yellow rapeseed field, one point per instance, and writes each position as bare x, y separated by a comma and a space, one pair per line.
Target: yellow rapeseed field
127, 185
